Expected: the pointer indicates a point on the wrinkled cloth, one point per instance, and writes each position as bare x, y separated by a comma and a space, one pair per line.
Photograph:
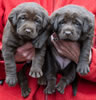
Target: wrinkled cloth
68, 49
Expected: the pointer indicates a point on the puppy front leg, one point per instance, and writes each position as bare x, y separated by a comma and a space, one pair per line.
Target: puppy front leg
68, 76
10, 66
83, 65
37, 63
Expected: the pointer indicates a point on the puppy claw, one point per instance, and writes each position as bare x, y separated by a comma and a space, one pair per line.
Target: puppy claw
32, 74
36, 73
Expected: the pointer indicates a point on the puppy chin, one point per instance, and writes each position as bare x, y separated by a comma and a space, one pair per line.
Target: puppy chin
68, 38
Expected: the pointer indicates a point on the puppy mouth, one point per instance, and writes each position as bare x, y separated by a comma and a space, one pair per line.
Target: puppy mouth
67, 39
64, 37
25, 36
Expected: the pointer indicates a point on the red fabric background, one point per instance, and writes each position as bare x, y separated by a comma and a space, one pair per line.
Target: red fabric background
86, 89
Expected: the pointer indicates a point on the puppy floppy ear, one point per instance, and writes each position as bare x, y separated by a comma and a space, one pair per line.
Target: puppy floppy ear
54, 21
13, 18
45, 20
88, 27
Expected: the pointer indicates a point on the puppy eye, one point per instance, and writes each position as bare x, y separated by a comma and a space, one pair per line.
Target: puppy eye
22, 18
63, 22
76, 23
37, 21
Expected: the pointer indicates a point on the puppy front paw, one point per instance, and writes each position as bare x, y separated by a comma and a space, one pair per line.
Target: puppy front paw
60, 87
11, 80
25, 92
83, 68
49, 90
35, 72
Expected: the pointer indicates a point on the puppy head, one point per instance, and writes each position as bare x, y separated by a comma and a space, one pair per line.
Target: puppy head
72, 22
28, 20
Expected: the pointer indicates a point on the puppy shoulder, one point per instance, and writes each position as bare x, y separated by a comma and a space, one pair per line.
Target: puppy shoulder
8, 36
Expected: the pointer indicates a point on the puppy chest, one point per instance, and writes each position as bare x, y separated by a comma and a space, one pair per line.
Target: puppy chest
62, 61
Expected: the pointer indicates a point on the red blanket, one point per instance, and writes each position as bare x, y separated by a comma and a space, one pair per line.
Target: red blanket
86, 91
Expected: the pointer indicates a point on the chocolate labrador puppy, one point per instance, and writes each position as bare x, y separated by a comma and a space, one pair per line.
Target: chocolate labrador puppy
70, 23
75, 23
28, 22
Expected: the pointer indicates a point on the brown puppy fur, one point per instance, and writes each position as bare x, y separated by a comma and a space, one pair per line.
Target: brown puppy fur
26, 23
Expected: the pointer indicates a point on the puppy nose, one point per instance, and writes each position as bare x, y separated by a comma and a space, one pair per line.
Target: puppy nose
68, 33
28, 30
